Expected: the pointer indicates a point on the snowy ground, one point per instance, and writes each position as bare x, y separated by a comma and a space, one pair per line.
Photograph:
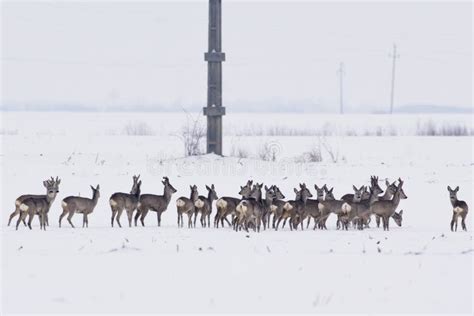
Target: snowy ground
421, 267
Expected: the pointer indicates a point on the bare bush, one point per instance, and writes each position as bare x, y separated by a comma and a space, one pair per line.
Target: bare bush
332, 151
269, 151
238, 152
313, 155
192, 134
137, 128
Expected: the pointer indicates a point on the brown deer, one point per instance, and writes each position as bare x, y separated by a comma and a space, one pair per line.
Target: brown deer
250, 211
186, 206
154, 203
460, 209
387, 208
47, 184
39, 204
272, 194
389, 192
294, 209
226, 205
81, 205
125, 201
311, 209
203, 205
327, 206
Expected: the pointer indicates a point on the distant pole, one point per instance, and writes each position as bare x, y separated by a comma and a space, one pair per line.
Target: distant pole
340, 72
214, 57
394, 57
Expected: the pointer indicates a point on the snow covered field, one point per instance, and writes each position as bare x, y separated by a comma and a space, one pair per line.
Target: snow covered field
421, 267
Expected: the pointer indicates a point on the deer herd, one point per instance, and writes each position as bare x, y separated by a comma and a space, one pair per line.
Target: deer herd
255, 209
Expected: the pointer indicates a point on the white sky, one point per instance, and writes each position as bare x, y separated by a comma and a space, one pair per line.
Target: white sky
125, 53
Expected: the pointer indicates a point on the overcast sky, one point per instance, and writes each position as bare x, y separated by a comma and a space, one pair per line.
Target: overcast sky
151, 53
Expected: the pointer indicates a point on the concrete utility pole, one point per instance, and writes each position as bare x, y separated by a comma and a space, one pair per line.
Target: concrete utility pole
340, 72
214, 57
394, 56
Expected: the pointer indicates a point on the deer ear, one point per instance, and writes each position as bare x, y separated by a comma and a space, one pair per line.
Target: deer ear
208, 188
457, 189
387, 183
331, 190
92, 188
45, 184
140, 183
212, 186
354, 188
294, 189
266, 188
98, 187
449, 188
316, 187
401, 212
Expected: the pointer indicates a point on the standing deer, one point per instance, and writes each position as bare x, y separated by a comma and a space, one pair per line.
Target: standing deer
327, 206
81, 205
387, 208
39, 204
311, 209
186, 205
273, 199
155, 203
347, 208
460, 209
389, 192
125, 201
294, 208
203, 205
226, 205
47, 184
250, 211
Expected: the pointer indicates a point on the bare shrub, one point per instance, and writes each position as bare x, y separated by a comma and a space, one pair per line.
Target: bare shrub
192, 134
332, 151
269, 151
313, 155
238, 152
137, 128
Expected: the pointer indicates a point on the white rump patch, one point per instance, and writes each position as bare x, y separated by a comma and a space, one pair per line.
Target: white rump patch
112, 202
17, 203
287, 207
63, 204
346, 208
139, 205
221, 203
320, 206
23, 207
241, 208
180, 203
273, 208
458, 210
199, 203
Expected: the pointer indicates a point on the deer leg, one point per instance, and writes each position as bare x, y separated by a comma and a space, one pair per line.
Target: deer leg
119, 213
71, 214
463, 222
129, 216
142, 213
137, 215
30, 219
62, 216
190, 219
114, 212
456, 223
158, 218
21, 218
12, 215
452, 221
377, 220
87, 220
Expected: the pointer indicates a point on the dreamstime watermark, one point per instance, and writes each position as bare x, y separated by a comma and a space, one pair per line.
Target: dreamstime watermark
266, 164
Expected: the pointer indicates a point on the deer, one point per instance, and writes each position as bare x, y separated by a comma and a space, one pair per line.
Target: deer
203, 205
272, 195
294, 208
460, 209
389, 192
120, 201
387, 208
39, 204
327, 206
81, 205
347, 208
250, 211
311, 209
226, 205
20, 199
186, 206
154, 203
362, 209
